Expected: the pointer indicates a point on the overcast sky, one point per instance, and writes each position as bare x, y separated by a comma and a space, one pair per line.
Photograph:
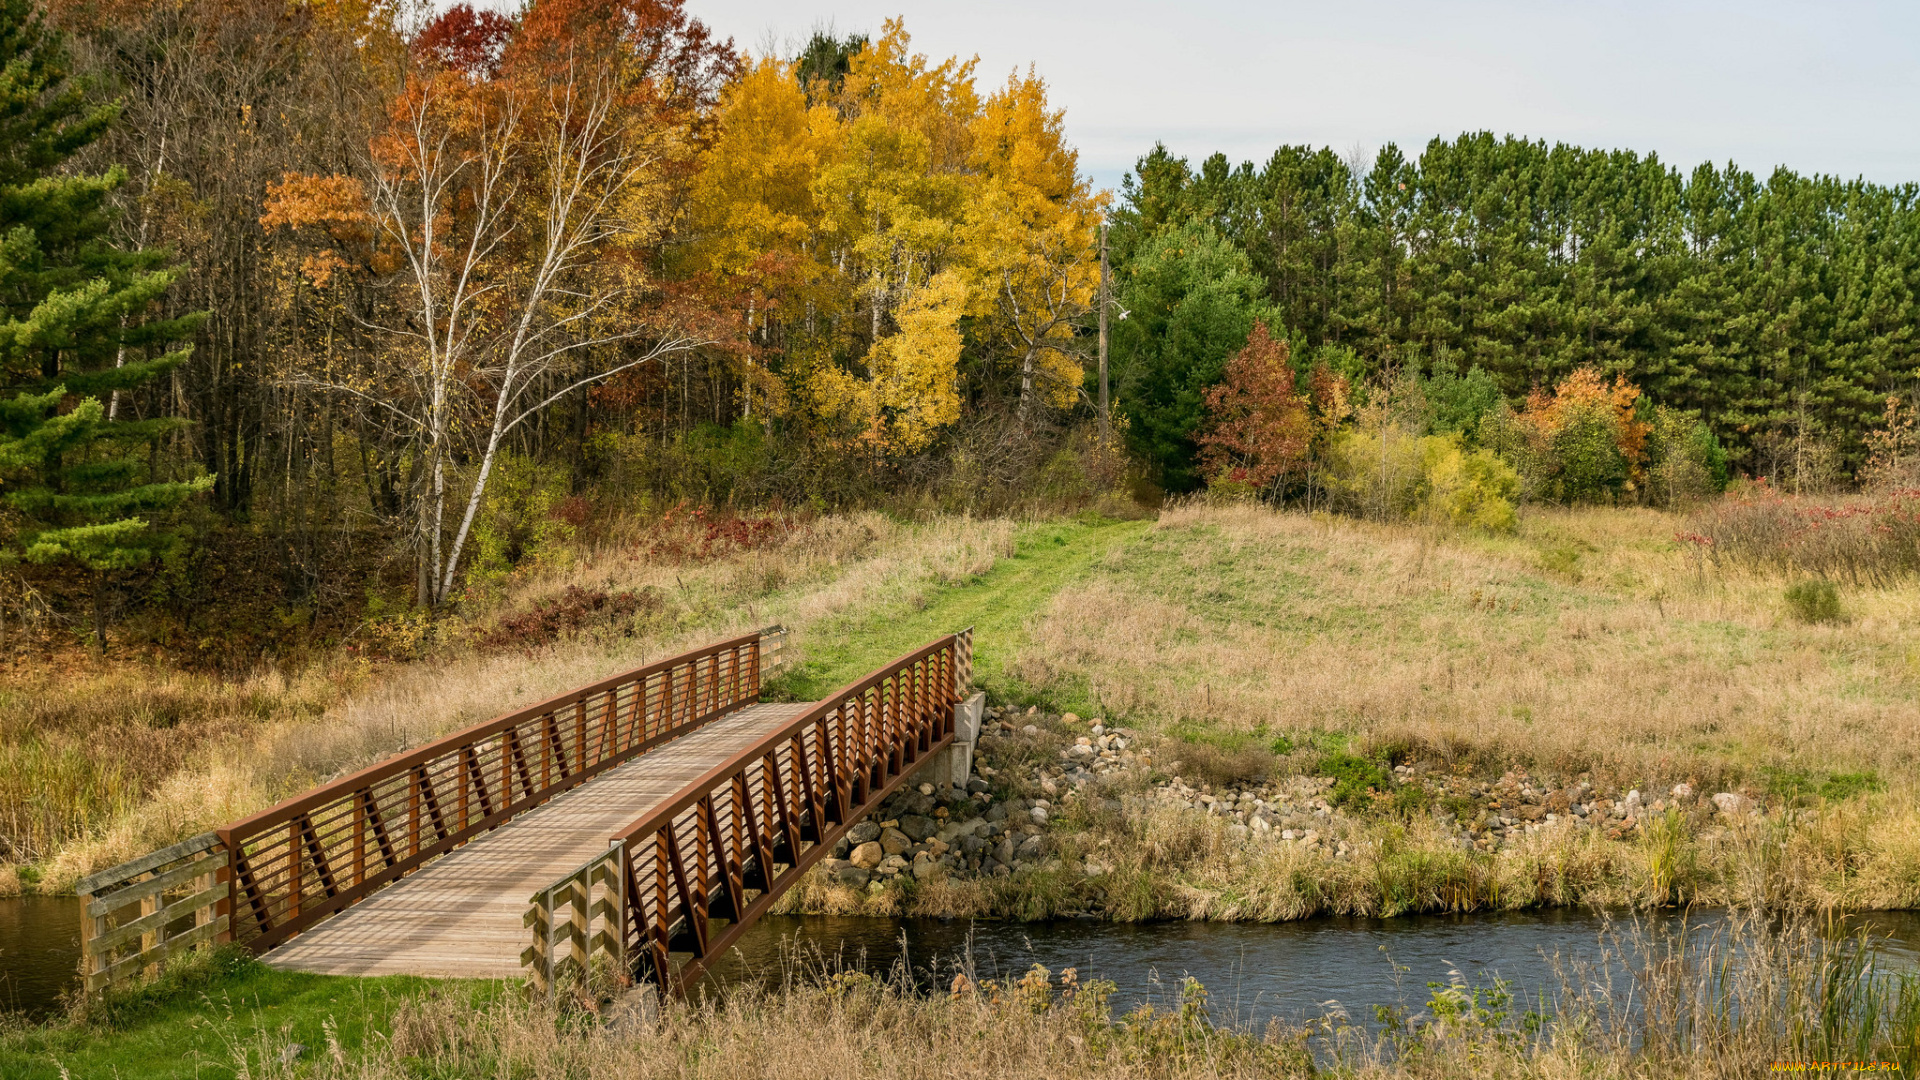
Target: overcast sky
1831, 87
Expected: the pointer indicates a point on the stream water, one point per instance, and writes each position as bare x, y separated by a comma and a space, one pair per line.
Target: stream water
39, 952
1256, 972
1253, 972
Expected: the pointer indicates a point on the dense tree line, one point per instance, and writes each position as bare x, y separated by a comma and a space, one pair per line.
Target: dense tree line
318, 310
1779, 310
395, 305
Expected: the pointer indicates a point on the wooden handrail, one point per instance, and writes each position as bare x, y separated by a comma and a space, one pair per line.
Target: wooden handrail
742, 833
822, 709
318, 852
309, 799
114, 877
136, 915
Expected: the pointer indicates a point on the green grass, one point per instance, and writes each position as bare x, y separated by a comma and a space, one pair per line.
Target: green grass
207, 1018
1047, 558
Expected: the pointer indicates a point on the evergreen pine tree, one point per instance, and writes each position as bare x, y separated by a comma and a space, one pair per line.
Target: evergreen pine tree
1191, 300
74, 328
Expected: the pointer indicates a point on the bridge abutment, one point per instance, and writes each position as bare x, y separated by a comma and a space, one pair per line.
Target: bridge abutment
954, 764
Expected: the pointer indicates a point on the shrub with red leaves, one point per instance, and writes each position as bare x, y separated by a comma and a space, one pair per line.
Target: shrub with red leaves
701, 536
574, 510
571, 612
1863, 540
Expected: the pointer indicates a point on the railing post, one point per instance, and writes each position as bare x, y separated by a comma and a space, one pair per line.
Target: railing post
360, 826
223, 875
580, 736
465, 777
293, 869
617, 909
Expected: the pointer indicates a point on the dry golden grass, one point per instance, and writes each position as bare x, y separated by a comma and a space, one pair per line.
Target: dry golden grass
217, 750
1587, 642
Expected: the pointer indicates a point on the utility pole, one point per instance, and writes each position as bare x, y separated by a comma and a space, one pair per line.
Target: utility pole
1106, 423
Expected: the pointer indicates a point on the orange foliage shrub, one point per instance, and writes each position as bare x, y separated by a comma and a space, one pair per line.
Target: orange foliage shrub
1583, 442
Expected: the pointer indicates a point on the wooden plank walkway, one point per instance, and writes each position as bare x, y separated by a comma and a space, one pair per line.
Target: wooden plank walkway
460, 915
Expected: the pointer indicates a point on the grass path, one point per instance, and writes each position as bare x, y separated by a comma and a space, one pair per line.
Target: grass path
1047, 557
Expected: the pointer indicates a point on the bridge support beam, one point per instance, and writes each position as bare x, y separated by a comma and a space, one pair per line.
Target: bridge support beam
954, 764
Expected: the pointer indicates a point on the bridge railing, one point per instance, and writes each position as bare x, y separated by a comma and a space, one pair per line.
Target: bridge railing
740, 835
313, 855
136, 915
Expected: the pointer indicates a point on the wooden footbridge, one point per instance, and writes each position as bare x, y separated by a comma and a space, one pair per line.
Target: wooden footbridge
639, 825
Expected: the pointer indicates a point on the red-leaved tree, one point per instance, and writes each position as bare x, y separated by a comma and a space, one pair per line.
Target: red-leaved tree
466, 40
1259, 428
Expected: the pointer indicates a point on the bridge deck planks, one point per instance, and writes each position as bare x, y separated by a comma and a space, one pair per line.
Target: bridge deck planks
460, 915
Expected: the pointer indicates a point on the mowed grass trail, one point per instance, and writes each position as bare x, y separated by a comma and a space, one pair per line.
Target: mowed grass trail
1047, 557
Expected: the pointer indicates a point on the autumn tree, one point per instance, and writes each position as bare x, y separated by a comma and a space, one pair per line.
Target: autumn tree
1031, 226
893, 189
510, 208
1259, 428
753, 223
1581, 442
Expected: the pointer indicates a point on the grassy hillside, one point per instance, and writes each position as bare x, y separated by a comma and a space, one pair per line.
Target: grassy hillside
1587, 642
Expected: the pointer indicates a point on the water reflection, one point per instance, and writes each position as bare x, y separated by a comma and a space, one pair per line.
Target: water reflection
39, 952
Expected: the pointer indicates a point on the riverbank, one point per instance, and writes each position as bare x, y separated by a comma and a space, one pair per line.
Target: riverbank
1066, 818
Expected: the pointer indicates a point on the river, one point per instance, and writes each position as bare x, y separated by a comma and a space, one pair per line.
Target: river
1253, 972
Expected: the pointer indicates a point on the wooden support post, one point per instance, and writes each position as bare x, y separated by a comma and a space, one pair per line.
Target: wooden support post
577, 928
223, 908
91, 927
150, 941
614, 912
538, 958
